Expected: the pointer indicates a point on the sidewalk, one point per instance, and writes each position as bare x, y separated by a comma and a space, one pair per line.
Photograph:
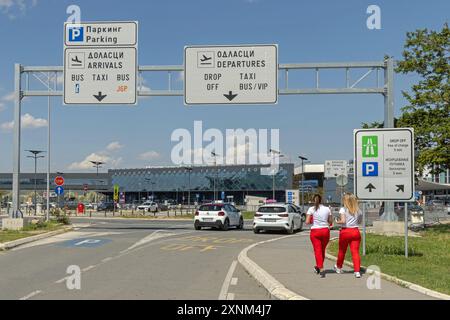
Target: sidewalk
291, 261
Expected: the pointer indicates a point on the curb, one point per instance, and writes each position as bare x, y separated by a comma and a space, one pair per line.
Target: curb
403, 283
273, 286
12, 244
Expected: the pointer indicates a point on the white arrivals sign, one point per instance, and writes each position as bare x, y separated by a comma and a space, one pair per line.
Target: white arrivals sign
334, 168
245, 74
100, 63
384, 164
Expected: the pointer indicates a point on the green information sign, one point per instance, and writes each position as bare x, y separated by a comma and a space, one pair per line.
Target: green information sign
370, 146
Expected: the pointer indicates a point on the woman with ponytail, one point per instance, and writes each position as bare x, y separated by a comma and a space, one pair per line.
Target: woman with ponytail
320, 217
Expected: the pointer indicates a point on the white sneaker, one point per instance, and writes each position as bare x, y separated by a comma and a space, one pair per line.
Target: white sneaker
357, 275
338, 270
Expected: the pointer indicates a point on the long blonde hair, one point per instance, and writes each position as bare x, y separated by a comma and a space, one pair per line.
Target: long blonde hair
351, 203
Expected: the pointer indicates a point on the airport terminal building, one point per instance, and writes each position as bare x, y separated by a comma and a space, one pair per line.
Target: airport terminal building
228, 181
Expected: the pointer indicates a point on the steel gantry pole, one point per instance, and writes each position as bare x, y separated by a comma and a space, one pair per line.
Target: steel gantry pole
16, 148
389, 213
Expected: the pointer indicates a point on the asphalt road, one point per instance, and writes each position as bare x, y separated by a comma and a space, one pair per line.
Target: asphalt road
132, 259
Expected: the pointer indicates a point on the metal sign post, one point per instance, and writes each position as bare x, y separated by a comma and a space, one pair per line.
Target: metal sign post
373, 67
364, 228
406, 229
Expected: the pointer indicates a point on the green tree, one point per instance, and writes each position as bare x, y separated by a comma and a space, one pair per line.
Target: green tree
426, 54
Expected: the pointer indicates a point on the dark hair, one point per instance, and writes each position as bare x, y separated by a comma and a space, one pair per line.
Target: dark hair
317, 201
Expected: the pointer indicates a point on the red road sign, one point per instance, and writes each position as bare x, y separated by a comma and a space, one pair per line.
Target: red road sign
59, 181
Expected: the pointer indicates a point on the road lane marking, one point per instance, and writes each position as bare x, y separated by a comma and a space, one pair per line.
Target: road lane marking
230, 296
107, 259
61, 280
234, 281
88, 268
151, 237
226, 284
28, 296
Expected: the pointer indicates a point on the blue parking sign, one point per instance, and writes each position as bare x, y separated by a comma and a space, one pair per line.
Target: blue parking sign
370, 169
76, 34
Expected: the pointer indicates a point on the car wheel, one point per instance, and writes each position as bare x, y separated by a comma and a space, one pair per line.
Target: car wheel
226, 225
197, 227
301, 226
241, 224
256, 231
291, 229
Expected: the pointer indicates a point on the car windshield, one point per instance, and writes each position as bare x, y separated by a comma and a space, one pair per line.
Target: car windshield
272, 209
211, 207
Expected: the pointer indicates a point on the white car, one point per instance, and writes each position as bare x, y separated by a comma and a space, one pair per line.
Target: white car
277, 216
218, 215
149, 206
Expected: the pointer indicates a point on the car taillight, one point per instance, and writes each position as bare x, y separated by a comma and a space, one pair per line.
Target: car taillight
283, 215
196, 213
221, 213
258, 215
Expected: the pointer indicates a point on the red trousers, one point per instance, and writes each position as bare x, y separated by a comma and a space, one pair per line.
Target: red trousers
352, 237
319, 239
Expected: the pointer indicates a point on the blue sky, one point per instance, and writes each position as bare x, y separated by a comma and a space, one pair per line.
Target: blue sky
318, 126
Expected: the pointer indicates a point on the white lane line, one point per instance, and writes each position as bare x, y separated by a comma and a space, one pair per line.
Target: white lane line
234, 281
28, 296
61, 280
230, 296
88, 268
226, 283
107, 259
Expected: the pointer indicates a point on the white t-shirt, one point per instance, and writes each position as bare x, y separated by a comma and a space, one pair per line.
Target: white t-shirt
351, 221
320, 217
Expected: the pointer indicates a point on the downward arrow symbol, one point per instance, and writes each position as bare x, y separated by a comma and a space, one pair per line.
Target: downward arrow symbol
230, 96
100, 97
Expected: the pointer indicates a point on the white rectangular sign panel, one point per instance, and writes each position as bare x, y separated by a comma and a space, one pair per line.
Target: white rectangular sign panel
100, 34
384, 164
334, 168
100, 76
293, 196
245, 74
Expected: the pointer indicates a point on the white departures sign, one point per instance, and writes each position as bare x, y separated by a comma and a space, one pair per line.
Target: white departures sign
244, 74
100, 63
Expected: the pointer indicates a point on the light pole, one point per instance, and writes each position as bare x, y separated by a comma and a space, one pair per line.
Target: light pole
303, 178
189, 169
274, 152
35, 156
215, 177
97, 164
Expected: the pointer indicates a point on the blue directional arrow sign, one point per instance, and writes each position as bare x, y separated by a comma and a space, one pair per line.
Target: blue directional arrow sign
59, 190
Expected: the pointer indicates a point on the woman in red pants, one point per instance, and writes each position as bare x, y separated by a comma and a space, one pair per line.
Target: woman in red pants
320, 217
349, 234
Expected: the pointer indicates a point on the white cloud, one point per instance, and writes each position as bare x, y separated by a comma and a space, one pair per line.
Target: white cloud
114, 146
149, 155
28, 122
12, 7
103, 156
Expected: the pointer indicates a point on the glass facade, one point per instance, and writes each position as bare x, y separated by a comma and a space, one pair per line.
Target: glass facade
225, 178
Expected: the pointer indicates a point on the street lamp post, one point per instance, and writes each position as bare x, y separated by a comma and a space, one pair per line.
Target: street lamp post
274, 152
215, 177
189, 169
35, 155
303, 178
97, 164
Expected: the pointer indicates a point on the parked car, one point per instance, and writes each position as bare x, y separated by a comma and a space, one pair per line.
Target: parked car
277, 216
148, 206
106, 206
218, 215
299, 210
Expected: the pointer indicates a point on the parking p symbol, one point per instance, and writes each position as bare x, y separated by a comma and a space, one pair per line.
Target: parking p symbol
370, 169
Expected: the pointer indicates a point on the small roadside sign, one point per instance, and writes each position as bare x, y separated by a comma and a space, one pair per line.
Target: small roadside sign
59, 181
116, 192
384, 164
241, 74
59, 190
334, 168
